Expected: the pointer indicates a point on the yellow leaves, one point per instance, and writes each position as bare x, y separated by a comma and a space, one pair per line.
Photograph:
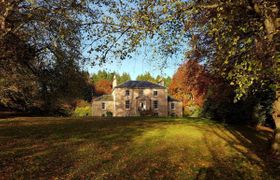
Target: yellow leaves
164, 10
235, 40
226, 61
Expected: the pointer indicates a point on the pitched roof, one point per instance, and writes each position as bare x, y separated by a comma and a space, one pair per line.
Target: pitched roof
108, 97
139, 84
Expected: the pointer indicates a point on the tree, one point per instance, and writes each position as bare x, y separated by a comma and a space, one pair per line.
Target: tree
102, 87
239, 41
123, 78
146, 77
102, 81
158, 79
39, 48
190, 83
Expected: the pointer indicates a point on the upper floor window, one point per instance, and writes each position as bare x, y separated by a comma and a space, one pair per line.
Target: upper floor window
127, 104
155, 92
155, 104
172, 106
103, 105
127, 92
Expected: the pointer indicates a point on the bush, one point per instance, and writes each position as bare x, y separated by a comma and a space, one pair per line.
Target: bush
83, 108
252, 109
109, 114
82, 111
192, 111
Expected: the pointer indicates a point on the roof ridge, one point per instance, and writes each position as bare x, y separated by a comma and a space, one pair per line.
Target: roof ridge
100, 97
139, 84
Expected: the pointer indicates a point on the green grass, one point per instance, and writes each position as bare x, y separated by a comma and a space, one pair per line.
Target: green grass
132, 148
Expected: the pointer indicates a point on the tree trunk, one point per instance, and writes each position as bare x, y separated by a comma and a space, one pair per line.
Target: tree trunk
269, 11
276, 117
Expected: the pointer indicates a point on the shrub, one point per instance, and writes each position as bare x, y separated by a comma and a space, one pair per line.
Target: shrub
82, 111
193, 111
109, 114
252, 109
83, 108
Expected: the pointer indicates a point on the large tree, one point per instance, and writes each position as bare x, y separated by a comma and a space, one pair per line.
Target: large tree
190, 84
239, 40
40, 53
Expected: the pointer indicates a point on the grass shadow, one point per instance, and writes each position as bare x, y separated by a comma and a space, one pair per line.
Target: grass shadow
252, 155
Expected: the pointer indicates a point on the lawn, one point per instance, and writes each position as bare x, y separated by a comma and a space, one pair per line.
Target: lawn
132, 148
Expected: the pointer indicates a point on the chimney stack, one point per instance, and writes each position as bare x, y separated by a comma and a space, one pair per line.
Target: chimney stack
115, 81
161, 82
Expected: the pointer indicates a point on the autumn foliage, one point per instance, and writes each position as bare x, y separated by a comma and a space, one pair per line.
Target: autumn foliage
190, 83
102, 87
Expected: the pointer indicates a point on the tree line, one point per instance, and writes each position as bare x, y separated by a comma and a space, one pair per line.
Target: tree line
102, 80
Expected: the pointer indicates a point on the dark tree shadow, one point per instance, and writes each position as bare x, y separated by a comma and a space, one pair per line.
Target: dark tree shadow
46, 149
227, 168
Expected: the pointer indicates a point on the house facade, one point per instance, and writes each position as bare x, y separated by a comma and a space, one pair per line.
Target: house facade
137, 98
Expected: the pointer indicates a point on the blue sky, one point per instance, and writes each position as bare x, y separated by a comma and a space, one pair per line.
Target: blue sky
144, 60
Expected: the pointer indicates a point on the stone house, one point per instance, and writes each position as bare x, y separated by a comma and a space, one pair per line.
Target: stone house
136, 98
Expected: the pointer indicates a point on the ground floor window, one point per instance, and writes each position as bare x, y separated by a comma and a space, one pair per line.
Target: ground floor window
155, 104
127, 104
172, 106
103, 105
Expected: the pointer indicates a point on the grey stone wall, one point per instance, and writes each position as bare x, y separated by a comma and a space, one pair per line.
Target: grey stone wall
97, 108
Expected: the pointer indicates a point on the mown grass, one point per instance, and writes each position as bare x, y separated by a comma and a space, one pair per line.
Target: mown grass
132, 148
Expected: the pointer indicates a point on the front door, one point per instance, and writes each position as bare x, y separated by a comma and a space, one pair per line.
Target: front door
142, 105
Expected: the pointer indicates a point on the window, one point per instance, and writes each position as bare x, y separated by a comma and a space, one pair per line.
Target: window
103, 105
172, 106
127, 104
155, 104
141, 92
155, 93
127, 92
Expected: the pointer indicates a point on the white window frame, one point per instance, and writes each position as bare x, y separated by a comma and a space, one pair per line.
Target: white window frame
154, 104
104, 106
127, 108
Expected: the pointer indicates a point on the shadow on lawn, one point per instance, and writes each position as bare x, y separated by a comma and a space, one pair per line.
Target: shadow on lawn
72, 148
50, 149
256, 156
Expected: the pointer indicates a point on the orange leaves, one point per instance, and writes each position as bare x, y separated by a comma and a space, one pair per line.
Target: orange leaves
190, 83
103, 87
